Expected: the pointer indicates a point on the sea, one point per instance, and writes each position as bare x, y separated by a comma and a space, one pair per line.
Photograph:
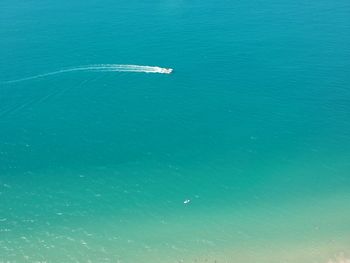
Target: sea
240, 155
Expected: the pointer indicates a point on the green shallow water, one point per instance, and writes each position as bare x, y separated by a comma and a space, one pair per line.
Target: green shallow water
252, 127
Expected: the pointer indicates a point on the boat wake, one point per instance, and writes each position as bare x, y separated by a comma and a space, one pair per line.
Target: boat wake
101, 68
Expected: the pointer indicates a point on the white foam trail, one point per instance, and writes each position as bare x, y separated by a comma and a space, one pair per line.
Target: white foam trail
99, 68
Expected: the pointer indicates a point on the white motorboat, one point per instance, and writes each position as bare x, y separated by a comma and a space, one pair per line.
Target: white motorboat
166, 70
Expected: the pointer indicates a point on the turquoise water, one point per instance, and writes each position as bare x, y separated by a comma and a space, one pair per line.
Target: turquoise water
252, 127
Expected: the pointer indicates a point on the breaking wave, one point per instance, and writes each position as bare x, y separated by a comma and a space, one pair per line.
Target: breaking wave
100, 68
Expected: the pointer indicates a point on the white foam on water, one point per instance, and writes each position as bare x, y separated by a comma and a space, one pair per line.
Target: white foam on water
100, 68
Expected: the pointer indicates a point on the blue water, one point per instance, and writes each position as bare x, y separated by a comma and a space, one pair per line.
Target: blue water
252, 129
